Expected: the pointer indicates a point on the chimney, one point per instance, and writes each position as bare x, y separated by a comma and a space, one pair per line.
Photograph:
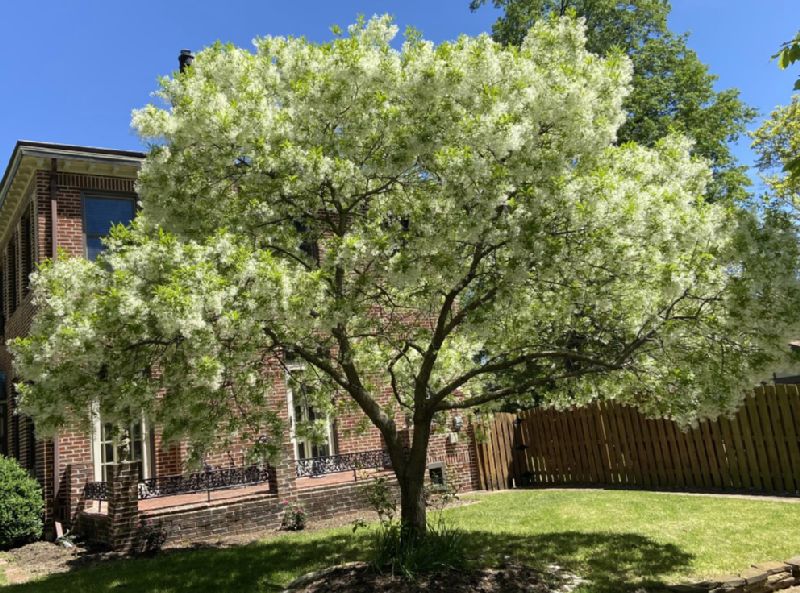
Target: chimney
185, 59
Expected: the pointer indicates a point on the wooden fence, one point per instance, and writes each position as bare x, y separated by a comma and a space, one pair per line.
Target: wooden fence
757, 450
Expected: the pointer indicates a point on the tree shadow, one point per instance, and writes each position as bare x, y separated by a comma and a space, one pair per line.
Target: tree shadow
613, 562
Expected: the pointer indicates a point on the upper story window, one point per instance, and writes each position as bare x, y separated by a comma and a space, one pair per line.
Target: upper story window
99, 215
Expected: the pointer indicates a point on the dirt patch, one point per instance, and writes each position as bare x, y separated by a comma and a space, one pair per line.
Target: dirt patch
42, 558
511, 578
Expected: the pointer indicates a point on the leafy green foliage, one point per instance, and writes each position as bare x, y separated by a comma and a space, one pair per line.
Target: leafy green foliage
21, 505
777, 143
788, 55
294, 516
777, 137
397, 550
672, 89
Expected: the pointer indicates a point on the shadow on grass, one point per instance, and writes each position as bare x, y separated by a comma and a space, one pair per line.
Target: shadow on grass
613, 562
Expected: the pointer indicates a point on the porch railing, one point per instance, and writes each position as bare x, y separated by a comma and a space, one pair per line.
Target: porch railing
331, 464
204, 481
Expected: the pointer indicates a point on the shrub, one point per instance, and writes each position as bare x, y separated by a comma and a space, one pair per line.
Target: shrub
294, 516
393, 550
20, 505
442, 547
149, 538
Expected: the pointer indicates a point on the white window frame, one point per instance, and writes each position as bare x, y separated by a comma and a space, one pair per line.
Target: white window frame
97, 447
293, 421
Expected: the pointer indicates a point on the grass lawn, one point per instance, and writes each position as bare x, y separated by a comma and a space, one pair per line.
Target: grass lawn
614, 538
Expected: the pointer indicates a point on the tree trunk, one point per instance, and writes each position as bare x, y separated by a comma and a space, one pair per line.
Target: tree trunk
412, 504
411, 478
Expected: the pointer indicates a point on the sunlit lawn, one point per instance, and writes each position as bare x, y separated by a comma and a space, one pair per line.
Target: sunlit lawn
614, 538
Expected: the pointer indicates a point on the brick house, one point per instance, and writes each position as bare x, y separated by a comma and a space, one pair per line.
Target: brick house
60, 197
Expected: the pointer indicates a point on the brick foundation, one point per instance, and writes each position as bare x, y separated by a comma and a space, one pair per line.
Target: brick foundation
121, 530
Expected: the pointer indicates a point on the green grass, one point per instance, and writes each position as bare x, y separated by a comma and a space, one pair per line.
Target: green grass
613, 538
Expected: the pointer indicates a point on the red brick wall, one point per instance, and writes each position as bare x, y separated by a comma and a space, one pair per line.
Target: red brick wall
74, 447
460, 457
248, 515
354, 432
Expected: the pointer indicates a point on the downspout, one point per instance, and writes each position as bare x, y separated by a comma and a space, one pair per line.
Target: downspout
59, 530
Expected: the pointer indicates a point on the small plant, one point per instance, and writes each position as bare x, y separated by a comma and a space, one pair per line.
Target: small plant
399, 552
149, 538
20, 505
294, 516
381, 498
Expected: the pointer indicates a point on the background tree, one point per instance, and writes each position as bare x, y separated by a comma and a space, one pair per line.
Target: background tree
788, 55
778, 141
672, 90
452, 222
777, 144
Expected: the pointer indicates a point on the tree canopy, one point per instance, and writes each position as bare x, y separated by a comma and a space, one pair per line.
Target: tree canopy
449, 225
777, 141
672, 90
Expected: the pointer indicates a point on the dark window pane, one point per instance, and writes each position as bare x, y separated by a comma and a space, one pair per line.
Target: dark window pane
108, 431
94, 247
101, 213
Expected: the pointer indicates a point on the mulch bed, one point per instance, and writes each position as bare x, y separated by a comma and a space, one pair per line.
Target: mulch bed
511, 578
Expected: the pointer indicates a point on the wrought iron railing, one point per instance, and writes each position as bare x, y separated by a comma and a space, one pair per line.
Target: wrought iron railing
331, 464
204, 481
96, 491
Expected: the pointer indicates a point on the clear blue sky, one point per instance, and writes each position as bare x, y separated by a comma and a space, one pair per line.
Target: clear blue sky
72, 71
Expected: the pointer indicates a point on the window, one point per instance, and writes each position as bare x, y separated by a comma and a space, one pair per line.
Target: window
107, 448
308, 244
99, 215
311, 432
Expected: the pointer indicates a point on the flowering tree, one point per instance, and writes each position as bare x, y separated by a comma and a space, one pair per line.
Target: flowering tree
452, 222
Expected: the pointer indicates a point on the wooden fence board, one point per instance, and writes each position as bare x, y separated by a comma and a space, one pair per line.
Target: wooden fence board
761, 431
748, 438
790, 430
779, 435
720, 454
730, 453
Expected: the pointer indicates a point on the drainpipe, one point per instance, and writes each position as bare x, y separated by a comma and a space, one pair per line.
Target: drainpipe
59, 530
